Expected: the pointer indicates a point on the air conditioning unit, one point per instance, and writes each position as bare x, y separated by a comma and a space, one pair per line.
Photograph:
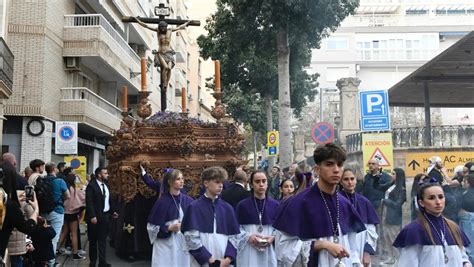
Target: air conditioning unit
72, 63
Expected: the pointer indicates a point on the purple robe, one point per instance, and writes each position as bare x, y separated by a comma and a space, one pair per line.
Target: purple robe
415, 234
165, 209
247, 212
363, 206
305, 215
200, 216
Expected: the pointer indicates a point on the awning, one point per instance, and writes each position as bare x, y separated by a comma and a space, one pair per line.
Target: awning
449, 77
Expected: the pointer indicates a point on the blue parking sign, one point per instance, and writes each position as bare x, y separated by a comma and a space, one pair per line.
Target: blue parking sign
374, 110
272, 151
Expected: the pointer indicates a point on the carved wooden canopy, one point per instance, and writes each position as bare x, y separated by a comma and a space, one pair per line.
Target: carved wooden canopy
170, 140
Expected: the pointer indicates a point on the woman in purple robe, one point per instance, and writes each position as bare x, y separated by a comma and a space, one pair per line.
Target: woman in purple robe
164, 221
363, 244
432, 239
256, 215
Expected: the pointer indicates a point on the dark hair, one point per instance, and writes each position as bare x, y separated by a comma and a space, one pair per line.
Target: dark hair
329, 151
9, 180
283, 182
400, 178
217, 174
36, 163
61, 164
70, 180
98, 171
423, 187
417, 181
169, 177
67, 171
50, 167
252, 176
470, 180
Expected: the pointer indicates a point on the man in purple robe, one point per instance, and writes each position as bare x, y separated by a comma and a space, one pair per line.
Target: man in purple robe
314, 225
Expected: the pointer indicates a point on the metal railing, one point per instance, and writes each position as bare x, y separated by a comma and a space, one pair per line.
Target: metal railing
441, 136
6, 63
83, 93
94, 20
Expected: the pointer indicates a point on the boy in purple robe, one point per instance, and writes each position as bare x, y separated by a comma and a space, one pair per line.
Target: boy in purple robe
209, 224
319, 217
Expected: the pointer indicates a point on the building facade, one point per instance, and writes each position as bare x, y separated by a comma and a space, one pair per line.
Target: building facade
388, 39
72, 59
6, 65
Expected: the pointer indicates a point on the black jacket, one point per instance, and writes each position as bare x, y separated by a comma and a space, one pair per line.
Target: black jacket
42, 241
234, 194
95, 201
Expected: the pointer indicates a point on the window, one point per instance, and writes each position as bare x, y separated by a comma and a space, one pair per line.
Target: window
336, 44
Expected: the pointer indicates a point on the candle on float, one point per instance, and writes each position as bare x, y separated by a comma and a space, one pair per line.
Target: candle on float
217, 66
183, 100
143, 72
125, 98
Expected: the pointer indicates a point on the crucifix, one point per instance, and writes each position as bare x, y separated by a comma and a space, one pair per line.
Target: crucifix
164, 58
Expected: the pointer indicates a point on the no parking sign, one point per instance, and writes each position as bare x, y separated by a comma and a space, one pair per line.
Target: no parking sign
66, 138
322, 133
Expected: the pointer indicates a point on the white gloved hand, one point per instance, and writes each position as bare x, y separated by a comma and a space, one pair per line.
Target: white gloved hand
143, 170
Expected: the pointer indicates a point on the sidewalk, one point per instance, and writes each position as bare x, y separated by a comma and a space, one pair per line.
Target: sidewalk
67, 261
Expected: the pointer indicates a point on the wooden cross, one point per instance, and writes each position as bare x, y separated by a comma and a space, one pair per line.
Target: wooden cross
164, 56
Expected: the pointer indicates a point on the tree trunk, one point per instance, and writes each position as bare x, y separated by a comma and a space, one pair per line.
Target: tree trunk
254, 137
284, 103
269, 114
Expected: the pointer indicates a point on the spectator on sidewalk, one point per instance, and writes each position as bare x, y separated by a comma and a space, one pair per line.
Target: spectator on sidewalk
42, 240
11, 213
37, 166
60, 193
72, 209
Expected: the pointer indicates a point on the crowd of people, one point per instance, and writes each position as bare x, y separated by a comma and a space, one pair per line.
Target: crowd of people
40, 212
328, 216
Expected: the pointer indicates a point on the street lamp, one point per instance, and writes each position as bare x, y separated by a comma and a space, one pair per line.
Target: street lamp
321, 91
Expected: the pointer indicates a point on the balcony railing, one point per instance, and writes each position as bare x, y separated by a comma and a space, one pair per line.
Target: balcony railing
6, 64
82, 93
441, 136
95, 20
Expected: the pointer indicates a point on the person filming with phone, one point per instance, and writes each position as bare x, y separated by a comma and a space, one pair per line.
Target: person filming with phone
11, 213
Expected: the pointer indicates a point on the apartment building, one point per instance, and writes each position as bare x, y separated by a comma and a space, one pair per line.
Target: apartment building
388, 39
6, 65
72, 59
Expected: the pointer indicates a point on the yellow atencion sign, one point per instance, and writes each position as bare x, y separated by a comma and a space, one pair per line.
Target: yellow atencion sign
379, 146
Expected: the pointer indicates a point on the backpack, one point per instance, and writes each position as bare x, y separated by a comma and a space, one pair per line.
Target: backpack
44, 195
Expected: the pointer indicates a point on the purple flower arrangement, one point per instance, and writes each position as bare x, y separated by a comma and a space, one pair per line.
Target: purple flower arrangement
166, 119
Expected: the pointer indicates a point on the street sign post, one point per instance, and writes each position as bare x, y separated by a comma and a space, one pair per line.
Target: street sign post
378, 146
374, 111
322, 133
272, 143
66, 138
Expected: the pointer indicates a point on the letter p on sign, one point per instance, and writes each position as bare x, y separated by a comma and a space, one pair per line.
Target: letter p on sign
373, 101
